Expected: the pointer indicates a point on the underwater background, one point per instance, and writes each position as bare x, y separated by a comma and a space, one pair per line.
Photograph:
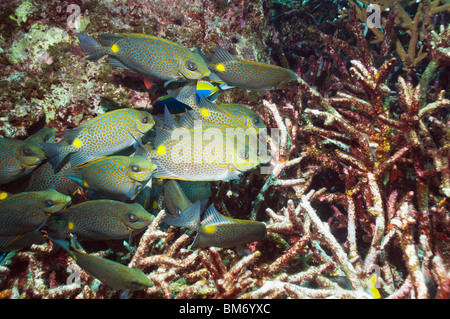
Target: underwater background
354, 200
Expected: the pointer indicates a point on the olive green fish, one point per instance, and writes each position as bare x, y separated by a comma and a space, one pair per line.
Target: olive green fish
218, 230
151, 56
199, 155
111, 273
248, 75
18, 158
103, 135
99, 220
118, 177
27, 211
232, 115
44, 177
10, 243
45, 135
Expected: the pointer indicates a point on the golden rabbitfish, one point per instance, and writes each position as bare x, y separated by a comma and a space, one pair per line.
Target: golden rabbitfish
99, 220
232, 115
111, 273
18, 158
175, 199
103, 135
218, 230
249, 75
198, 155
118, 177
24, 212
154, 57
44, 177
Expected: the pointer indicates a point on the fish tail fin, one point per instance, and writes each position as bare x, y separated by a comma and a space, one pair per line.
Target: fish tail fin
91, 47
57, 154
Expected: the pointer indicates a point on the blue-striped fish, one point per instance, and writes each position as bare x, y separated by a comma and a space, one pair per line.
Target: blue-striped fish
151, 56
111, 273
218, 230
99, 220
24, 212
248, 75
203, 88
117, 177
18, 158
103, 135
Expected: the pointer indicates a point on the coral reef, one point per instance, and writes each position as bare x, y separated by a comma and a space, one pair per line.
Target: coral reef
359, 179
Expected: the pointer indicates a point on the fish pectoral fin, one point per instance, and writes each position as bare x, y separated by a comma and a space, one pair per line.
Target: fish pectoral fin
115, 62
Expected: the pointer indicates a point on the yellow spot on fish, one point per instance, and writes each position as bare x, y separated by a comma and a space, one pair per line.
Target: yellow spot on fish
155, 204
114, 48
205, 113
220, 67
153, 167
3, 195
85, 184
371, 285
70, 225
77, 143
161, 150
211, 229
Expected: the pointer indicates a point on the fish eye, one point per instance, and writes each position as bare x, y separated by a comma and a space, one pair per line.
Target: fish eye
256, 120
48, 203
191, 66
132, 218
27, 152
135, 168
47, 138
145, 120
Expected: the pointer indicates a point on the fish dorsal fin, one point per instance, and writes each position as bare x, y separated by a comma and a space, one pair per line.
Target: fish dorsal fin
187, 120
169, 122
212, 217
221, 56
162, 136
186, 95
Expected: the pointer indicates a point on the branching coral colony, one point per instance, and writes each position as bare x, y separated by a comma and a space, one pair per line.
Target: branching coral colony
359, 185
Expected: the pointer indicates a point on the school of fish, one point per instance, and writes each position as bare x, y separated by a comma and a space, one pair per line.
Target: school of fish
127, 163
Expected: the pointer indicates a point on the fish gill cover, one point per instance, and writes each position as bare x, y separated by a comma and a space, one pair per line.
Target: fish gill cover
354, 200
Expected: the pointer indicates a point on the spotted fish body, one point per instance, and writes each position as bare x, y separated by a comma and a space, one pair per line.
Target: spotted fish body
45, 135
148, 55
218, 230
24, 212
9, 243
189, 121
196, 191
44, 177
232, 115
249, 75
103, 135
118, 177
198, 155
111, 273
18, 158
100, 220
